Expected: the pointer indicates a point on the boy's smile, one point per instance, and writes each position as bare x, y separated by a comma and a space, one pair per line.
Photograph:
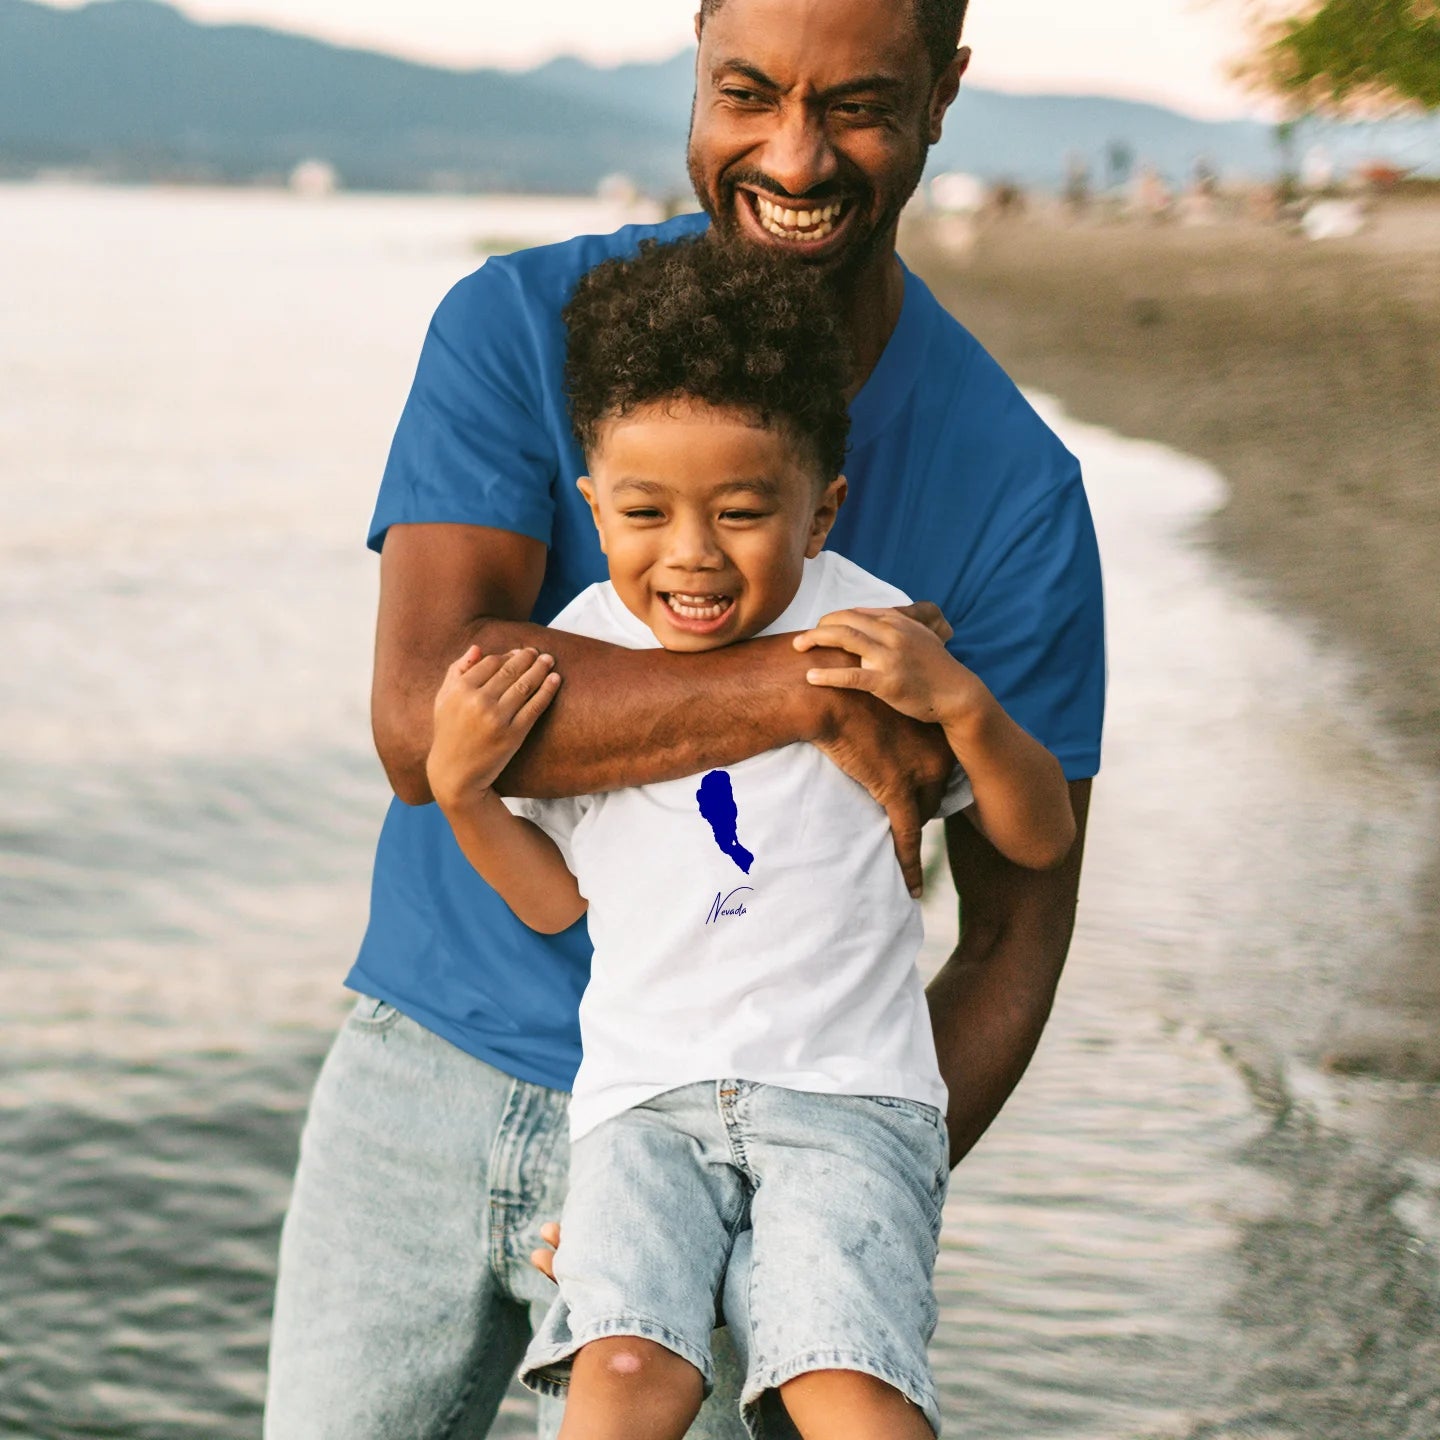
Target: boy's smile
706, 518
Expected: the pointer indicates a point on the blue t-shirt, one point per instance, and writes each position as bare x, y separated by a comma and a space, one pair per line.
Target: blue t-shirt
959, 494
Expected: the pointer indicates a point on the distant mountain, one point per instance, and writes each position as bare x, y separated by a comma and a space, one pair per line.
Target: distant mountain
132, 89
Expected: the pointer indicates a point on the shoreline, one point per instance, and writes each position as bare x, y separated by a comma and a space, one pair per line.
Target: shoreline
1306, 374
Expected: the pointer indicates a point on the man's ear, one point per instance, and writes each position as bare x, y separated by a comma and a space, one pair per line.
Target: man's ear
699, 21
825, 513
586, 486
947, 87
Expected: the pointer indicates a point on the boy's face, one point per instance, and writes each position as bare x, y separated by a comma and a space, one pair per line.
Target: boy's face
706, 519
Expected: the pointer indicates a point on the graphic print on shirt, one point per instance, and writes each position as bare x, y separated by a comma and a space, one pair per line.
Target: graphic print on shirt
717, 805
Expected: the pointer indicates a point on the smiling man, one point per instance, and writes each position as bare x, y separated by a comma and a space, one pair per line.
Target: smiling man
435, 1143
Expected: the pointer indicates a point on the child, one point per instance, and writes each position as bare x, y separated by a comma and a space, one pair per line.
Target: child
756, 1042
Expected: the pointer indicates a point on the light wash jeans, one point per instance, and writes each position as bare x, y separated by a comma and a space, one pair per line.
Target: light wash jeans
833, 1201
406, 1296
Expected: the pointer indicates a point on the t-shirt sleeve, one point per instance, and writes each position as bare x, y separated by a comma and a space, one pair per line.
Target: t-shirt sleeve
557, 818
958, 794
1035, 631
472, 446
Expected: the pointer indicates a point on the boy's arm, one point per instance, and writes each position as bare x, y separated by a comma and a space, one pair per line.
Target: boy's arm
484, 708
626, 717
1022, 804
519, 861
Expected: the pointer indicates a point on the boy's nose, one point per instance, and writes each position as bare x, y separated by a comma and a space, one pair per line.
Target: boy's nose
693, 547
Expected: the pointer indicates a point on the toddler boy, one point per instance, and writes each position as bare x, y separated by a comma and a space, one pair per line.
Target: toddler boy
757, 1049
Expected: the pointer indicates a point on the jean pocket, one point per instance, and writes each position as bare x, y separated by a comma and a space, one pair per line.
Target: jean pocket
934, 1146
371, 1016
918, 1108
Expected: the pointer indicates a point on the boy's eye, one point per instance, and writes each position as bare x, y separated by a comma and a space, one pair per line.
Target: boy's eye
642, 512
743, 514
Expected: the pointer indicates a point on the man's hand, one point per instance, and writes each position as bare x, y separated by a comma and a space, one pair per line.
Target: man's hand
484, 709
905, 765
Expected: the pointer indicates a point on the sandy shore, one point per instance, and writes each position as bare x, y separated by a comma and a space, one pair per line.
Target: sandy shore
1309, 375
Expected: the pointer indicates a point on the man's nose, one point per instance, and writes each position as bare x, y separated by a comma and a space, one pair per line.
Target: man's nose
798, 154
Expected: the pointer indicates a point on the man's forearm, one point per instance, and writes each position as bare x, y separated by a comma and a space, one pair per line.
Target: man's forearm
634, 717
990, 1001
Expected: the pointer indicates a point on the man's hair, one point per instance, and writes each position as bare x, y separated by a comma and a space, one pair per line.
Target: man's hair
938, 21
730, 326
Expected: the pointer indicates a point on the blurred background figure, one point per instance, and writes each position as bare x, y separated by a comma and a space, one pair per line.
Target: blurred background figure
1213, 1207
1077, 184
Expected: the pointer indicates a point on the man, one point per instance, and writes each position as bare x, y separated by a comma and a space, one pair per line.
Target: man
435, 1144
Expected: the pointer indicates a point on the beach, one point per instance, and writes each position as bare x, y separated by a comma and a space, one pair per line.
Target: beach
1307, 374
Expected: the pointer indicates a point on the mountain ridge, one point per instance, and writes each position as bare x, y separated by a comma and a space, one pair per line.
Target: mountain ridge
135, 89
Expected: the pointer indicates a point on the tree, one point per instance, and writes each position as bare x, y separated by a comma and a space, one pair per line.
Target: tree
1346, 55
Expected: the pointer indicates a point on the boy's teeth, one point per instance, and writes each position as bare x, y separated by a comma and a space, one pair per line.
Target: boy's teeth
698, 607
814, 224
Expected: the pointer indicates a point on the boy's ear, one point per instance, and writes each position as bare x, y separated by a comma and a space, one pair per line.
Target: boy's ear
586, 486
825, 512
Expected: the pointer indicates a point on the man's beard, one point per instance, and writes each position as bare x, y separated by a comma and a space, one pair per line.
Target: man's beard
842, 270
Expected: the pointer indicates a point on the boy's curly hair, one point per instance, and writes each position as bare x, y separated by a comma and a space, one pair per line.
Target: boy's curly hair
697, 320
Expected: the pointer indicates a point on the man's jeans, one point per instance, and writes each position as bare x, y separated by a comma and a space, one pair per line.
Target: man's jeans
406, 1295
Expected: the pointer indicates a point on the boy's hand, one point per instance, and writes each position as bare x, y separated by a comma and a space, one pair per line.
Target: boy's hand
484, 709
903, 662
926, 612
543, 1259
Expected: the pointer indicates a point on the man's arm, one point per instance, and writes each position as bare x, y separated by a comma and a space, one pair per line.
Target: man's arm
622, 717
990, 1001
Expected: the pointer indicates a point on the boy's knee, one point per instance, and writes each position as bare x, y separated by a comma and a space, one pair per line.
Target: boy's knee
626, 1356
635, 1361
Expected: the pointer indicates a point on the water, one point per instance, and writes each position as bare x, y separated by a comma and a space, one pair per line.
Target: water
1171, 1231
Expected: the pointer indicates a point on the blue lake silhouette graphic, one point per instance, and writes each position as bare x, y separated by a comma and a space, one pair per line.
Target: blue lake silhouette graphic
717, 805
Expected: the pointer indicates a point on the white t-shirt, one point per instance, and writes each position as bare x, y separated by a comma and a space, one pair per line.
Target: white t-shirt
749, 923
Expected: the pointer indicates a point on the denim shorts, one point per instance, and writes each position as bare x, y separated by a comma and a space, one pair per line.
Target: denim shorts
830, 1205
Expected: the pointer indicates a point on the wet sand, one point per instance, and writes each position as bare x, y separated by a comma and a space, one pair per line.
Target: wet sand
1308, 375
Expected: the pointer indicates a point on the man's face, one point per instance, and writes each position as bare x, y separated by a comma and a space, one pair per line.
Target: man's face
811, 123
706, 519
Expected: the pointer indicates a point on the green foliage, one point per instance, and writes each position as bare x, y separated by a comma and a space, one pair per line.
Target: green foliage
1356, 54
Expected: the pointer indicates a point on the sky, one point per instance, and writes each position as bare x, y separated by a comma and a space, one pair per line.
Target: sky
1172, 51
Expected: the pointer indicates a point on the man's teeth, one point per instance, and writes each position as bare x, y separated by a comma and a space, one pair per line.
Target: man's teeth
699, 607
813, 224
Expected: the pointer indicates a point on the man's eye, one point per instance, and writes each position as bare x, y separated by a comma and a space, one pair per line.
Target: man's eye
738, 95
860, 110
